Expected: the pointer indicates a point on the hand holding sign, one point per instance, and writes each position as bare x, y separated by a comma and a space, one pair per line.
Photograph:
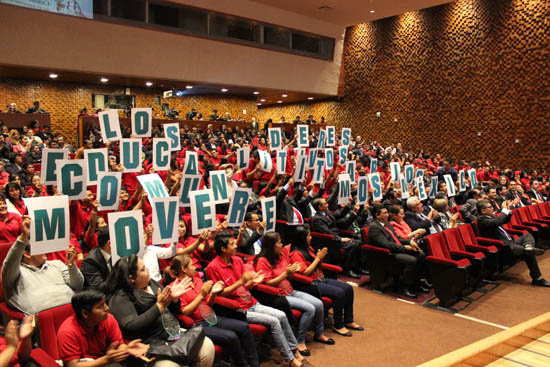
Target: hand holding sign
25, 228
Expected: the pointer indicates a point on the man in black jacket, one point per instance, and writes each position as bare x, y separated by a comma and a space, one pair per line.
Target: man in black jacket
97, 264
407, 252
523, 247
324, 222
250, 233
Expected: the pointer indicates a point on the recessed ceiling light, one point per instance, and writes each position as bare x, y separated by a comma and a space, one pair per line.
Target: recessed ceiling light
224, 90
279, 101
262, 100
284, 95
104, 80
372, 11
259, 104
310, 98
256, 92
53, 76
148, 84
188, 87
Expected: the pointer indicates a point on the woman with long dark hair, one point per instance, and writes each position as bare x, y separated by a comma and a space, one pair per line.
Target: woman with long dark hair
145, 310
15, 203
274, 262
196, 297
340, 292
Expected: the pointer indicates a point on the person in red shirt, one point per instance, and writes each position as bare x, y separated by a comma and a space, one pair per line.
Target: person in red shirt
37, 188
10, 223
196, 297
341, 293
13, 198
81, 211
92, 337
274, 262
231, 270
16, 345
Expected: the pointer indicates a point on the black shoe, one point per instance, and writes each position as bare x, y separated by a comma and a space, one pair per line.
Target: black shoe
352, 274
541, 282
425, 284
422, 289
530, 250
305, 352
409, 293
329, 341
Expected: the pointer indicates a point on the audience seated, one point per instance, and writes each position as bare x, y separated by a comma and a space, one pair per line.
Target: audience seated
31, 283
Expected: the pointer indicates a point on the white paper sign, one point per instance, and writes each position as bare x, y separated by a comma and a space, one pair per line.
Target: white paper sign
331, 136
281, 161
451, 190
419, 181
269, 213
218, 184
350, 169
243, 157
303, 136
319, 171
275, 140
375, 183
48, 169
153, 186
109, 125
71, 178
346, 136
433, 187
165, 212
142, 122
203, 211
108, 190
395, 169
130, 155
96, 162
362, 190
161, 154
238, 206
266, 164
301, 168
344, 188
50, 226
126, 234
404, 187
191, 164
172, 132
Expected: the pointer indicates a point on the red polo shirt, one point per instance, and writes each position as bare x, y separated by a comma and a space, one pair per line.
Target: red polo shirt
229, 274
80, 216
271, 272
75, 342
10, 228
190, 296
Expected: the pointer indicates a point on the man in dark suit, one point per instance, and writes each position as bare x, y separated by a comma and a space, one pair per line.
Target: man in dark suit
407, 252
469, 209
324, 222
535, 194
493, 200
248, 240
523, 247
97, 264
416, 218
287, 206
514, 193
305, 203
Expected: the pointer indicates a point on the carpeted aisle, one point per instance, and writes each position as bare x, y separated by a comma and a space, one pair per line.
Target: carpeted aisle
403, 334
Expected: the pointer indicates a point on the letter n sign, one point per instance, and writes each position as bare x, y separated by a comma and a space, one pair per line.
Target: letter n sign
49, 223
126, 234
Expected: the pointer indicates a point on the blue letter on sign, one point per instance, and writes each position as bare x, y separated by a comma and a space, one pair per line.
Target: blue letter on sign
162, 159
109, 133
109, 188
51, 165
172, 133
238, 210
69, 171
166, 220
142, 122
127, 246
203, 211
131, 156
42, 221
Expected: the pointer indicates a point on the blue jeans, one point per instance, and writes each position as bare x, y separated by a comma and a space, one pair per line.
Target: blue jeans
312, 312
278, 325
236, 338
342, 300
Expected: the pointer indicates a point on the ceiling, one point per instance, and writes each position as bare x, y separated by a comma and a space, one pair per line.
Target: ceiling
265, 97
351, 12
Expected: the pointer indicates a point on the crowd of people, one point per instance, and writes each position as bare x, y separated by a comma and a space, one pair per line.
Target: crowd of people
138, 298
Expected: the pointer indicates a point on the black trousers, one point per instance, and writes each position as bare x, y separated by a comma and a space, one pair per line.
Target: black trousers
235, 337
342, 300
414, 263
517, 246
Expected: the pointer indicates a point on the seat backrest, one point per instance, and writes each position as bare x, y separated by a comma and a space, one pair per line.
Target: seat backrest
453, 239
533, 212
437, 247
365, 232
49, 322
515, 218
544, 209
467, 234
523, 214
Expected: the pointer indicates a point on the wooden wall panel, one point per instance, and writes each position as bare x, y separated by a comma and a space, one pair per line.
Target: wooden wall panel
466, 79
